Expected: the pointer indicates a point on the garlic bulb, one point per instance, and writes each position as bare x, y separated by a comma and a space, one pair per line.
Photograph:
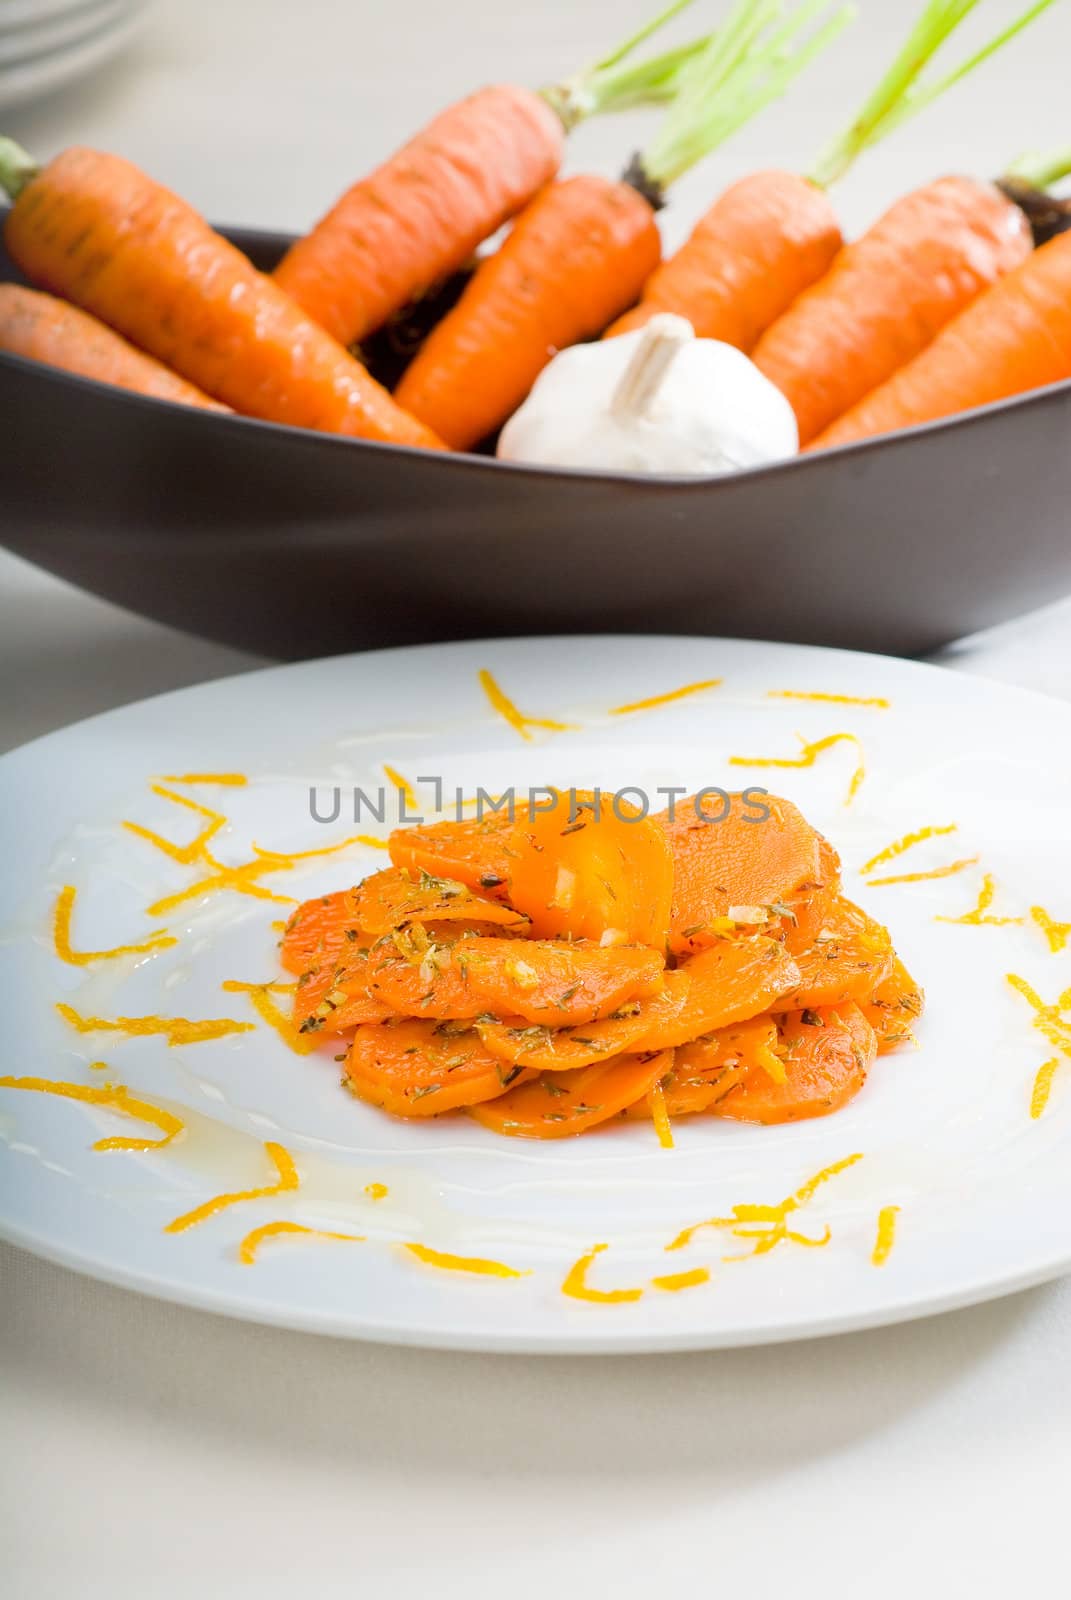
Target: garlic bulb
656, 401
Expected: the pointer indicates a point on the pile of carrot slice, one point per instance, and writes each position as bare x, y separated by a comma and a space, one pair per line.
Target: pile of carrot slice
578, 964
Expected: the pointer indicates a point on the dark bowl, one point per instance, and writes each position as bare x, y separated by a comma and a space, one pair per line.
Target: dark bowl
295, 543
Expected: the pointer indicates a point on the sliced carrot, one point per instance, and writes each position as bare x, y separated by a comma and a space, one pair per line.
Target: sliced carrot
414, 1068
706, 1069
732, 981
557, 1105
826, 1062
549, 1049
538, 980
585, 869
846, 959
472, 851
315, 935
894, 1006
766, 239
745, 867
333, 997
398, 895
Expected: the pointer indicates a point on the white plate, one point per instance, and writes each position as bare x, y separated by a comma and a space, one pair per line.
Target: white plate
944, 1133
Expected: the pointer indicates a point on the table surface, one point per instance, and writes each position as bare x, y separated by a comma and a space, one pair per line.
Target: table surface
148, 1449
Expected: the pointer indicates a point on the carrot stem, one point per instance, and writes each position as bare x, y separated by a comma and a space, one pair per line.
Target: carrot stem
899, 94
750, 61
17, 168
1041, 170
608, 86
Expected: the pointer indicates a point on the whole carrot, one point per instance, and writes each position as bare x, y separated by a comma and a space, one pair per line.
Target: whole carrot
887, 296
420, 216
94, 229
49, 330
582, 250
1015, 337
773, 235
766, 239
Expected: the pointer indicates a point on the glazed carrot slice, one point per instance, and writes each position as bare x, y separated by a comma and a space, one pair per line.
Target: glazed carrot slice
751, 861
826, 1062
706, 1069
415, 1068
732, 981
399, 895
550, 1049
585, 870
538, 980
894, 1007
472, 852
315, 935
846, 959
333, 997
556, 1105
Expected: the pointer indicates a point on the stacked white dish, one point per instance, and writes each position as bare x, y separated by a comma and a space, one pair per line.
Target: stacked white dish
47, 43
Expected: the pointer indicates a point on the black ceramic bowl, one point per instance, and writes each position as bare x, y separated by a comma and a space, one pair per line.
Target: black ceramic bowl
295, 543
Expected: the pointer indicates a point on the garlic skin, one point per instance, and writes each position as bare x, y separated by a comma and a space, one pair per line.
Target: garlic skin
658, 401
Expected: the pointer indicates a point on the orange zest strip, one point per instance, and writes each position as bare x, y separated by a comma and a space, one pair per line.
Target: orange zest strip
177, 1030
772, 1220
908, 842
886, 1235
877, 701
656, 1100
1047, 1019
228, 780
674, 1281
403, 786
61, 935
809, 756
924, 877
247, 1250
109, 1097
665, 699
518, 720
575, 1283
1057, 933
979, 917
1039, 1094
291, 856
288, 1179
261, 996
376, 1191
450, 1263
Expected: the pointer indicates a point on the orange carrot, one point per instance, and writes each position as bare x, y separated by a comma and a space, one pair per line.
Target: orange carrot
395, 897
887, 296
580, 253
473, 851
582, 869
94, 229
826, 1060
767, 238
848, 957
893, 1008
557, 1105
748, 855
772, 236
576, 257
550, 1049
49, 330
420, 216
420, 1069
1016, 337
316, 933
732, 982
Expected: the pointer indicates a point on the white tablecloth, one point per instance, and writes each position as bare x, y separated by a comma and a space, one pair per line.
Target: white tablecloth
149, 1450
